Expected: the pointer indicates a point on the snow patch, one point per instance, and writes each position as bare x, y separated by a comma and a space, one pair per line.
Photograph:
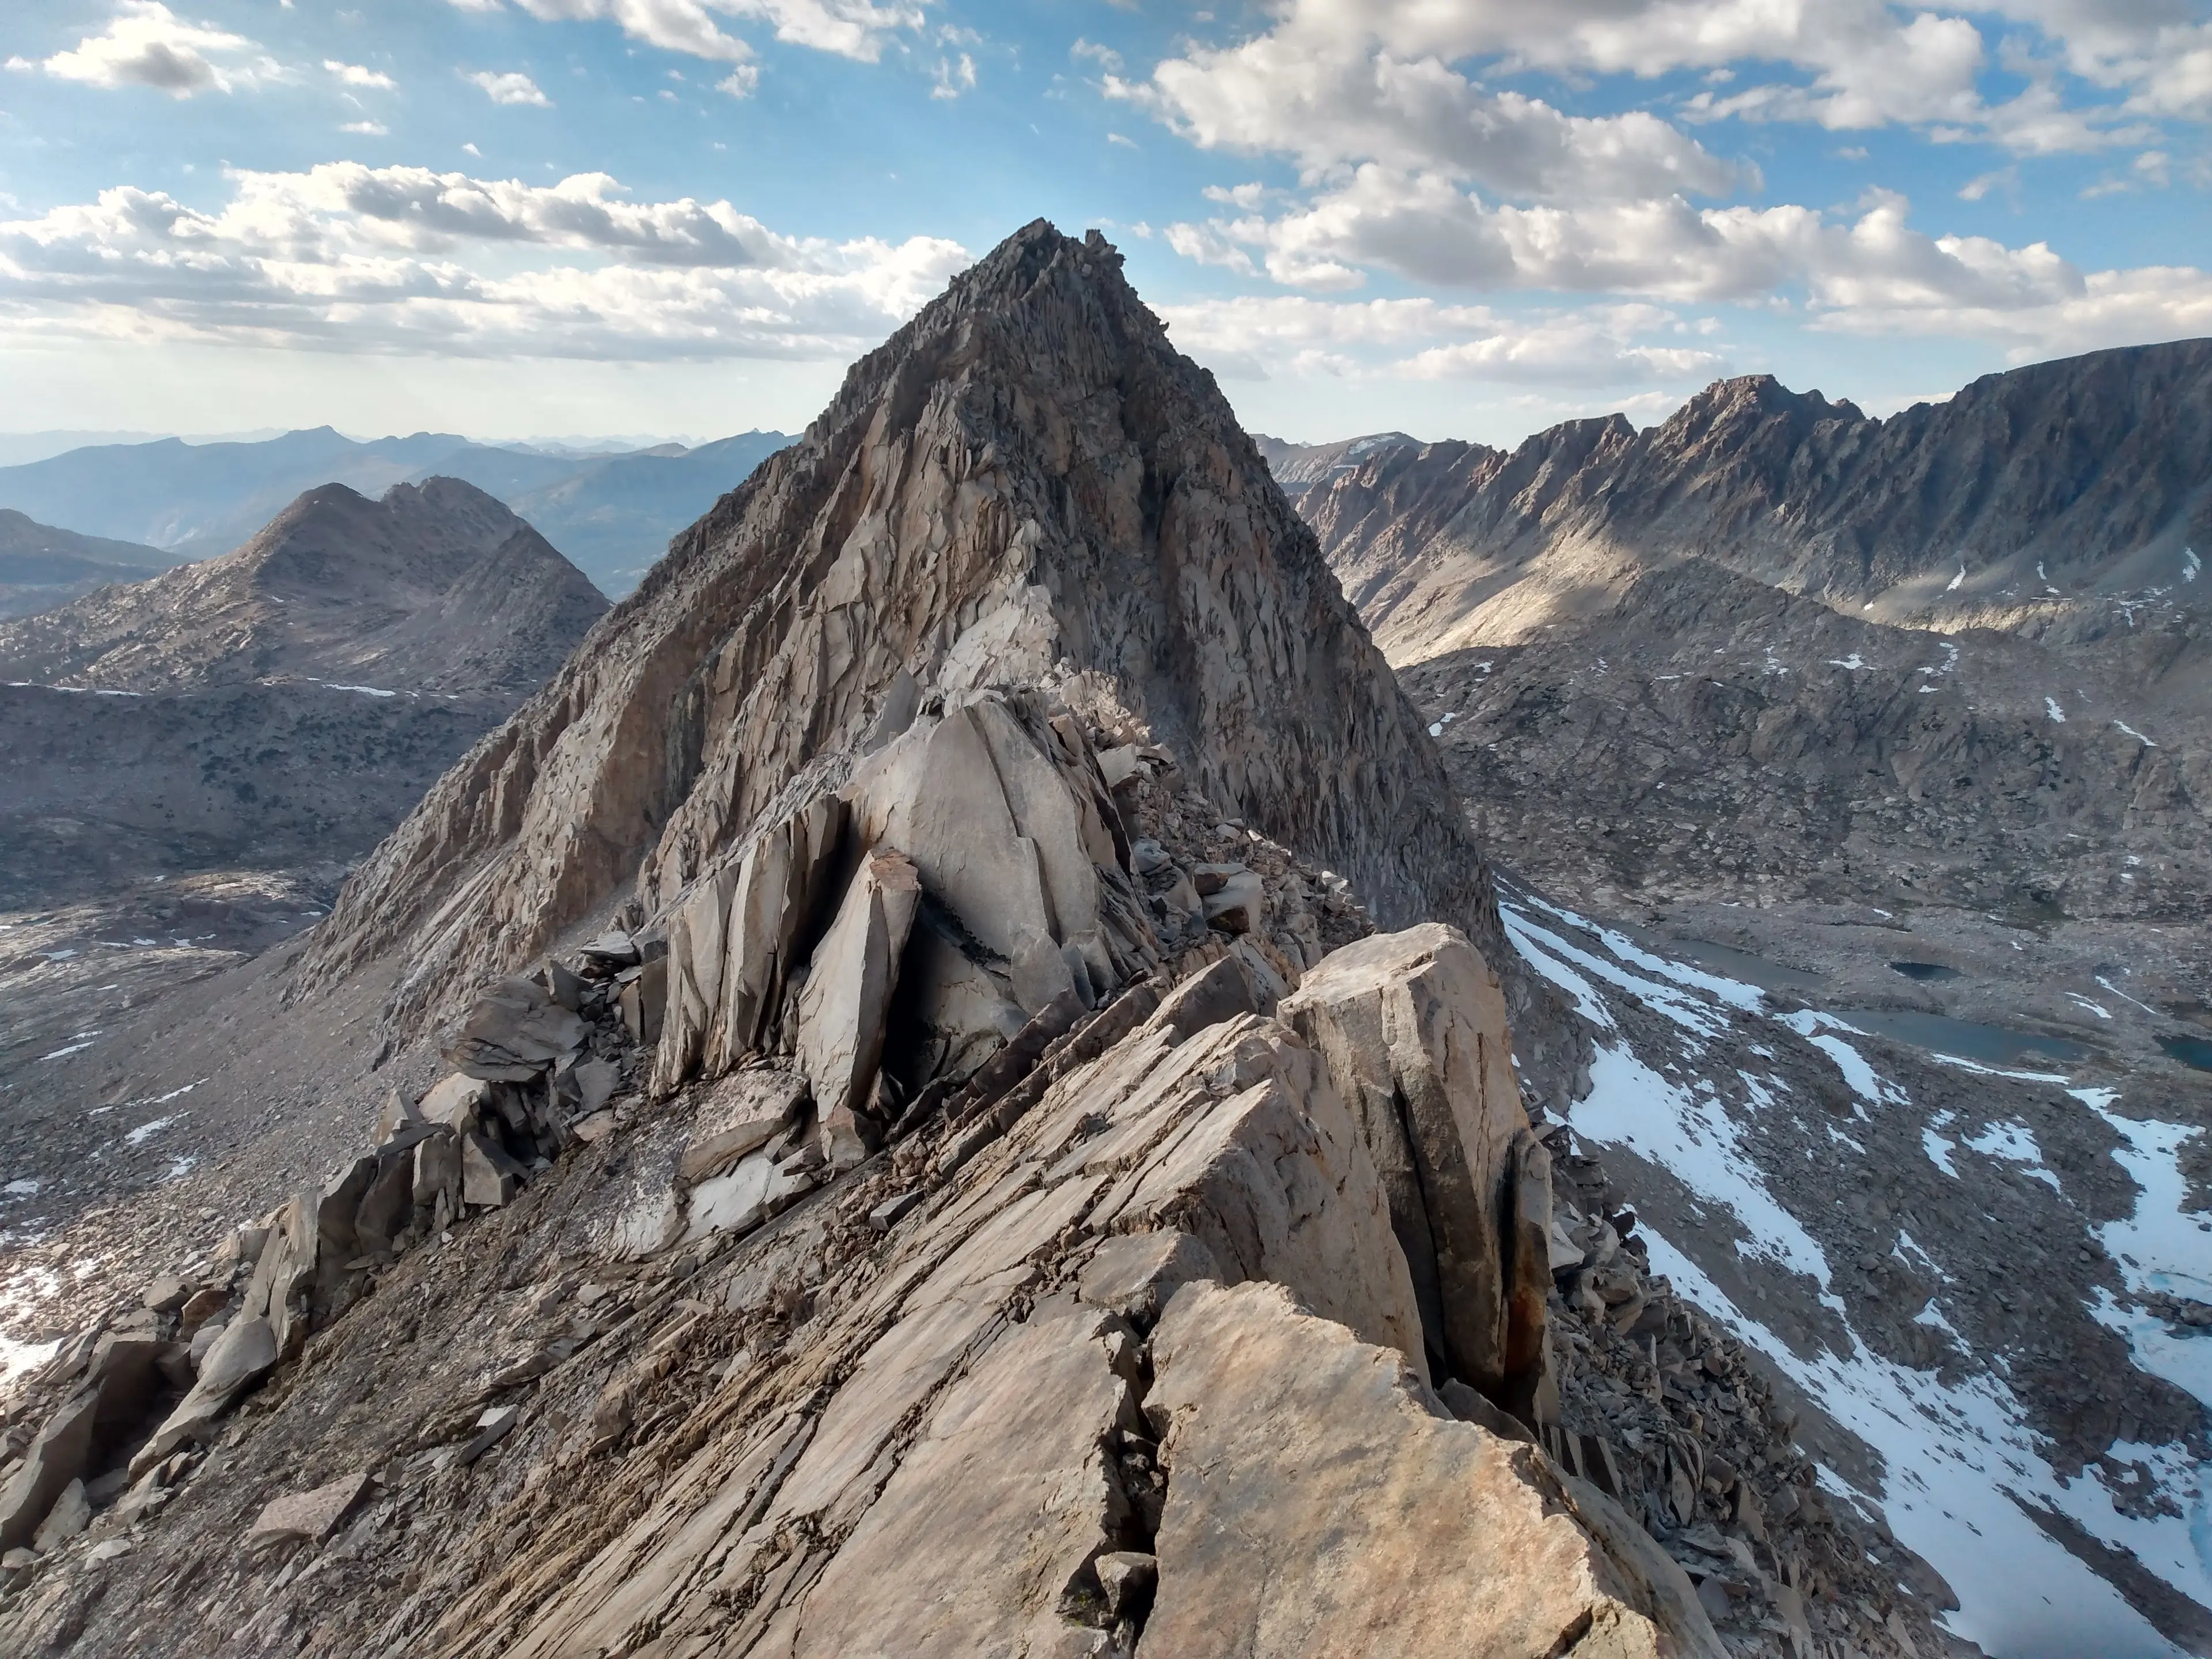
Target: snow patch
365, 690
145, 1131
2016, 1143
1939, 1151
1820, 1030
1954, 1457
2050, 708
1691, 1135
2160, 1247
1690, 1012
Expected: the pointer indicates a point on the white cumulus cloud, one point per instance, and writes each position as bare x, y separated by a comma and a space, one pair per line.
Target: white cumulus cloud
512, 88
349, 258
359, 75
1597, 346
148, 45
1406, 82
850, 29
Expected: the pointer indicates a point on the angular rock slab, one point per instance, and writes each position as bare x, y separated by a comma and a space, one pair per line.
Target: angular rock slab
998, 1506
246, 1350
847, 995
312, 1515
513, 1031
1413, 1026
53, 1460
739, 1116
1319, 1503
780, 887
996, 835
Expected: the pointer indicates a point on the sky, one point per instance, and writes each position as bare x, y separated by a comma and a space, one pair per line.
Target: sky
1456, 218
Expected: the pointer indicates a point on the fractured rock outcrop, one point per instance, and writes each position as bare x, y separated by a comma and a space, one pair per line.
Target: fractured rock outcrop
1413, 1026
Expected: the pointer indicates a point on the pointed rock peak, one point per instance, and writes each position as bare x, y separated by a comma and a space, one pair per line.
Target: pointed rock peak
1027, 486
1759, 395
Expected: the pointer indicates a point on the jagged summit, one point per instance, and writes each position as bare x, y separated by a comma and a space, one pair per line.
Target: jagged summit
1025, 484
2056, 499
435, 587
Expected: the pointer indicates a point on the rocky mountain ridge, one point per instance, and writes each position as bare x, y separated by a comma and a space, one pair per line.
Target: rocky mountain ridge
966, 510
900, 1132
1997, 507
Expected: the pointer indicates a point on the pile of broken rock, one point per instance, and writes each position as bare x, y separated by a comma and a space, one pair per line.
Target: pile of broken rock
121, 1413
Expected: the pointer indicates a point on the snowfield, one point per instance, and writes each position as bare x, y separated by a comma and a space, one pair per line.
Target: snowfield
1961, 1468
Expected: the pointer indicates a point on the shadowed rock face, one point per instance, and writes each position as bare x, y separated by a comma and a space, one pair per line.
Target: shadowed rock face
2029, 500
1026, 481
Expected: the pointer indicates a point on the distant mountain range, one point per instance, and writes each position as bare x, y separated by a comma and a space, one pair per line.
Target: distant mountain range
611, 515
1778, 647
437, 589
42, 567
2055, 499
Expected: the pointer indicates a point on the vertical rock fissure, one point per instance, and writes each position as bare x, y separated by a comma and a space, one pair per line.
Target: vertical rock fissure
1114, 1590
1419, 1245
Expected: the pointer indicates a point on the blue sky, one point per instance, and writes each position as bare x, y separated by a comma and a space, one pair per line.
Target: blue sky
1463, 218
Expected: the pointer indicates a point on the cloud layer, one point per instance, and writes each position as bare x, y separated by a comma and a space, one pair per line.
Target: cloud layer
349, 258
1411, 162
850, 29
1258, 337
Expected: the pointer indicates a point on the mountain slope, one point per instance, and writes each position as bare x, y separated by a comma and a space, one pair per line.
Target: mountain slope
41, 567
868, 1070
435, 589
1298, 467
2061, 499
614, 515
195, 761
1884, 885
1026, 476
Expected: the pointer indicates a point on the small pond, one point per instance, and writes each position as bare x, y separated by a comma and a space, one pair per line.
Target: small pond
1742, 965
2190, 1051
1962, 1039
1924, 971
